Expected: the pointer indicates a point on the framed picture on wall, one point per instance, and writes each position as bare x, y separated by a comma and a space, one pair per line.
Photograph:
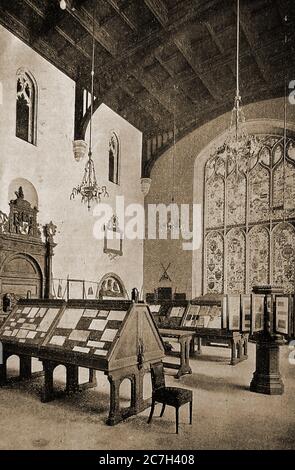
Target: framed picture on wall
234, 312
246, 312
257, 313
113, 238
282, 314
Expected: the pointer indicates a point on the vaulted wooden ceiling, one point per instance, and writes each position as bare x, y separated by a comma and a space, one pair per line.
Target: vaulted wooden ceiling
162, 61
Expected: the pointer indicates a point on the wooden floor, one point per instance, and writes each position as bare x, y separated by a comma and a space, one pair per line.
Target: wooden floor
226, 414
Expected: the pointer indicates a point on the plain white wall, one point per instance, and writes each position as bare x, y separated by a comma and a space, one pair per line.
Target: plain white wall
51, 168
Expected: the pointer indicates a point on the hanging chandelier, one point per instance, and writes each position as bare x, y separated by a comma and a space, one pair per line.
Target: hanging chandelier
238, 146
89, 190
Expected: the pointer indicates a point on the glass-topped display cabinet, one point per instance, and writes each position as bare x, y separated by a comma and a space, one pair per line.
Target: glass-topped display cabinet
169, 313
119, 338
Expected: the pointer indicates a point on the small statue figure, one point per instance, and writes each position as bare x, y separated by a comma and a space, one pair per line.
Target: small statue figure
134, 295
7, 303
49, 231
19, 194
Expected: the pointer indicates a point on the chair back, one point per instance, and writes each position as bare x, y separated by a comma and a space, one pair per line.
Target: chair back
158, 375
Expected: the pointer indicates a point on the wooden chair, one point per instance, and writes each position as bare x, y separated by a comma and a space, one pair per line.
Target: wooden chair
171, 396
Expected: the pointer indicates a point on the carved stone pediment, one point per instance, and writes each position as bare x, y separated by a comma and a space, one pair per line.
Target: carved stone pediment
22, 218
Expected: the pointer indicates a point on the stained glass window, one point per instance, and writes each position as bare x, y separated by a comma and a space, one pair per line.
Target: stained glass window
258, 256
253, 208
284, 256
236, 261
214, 262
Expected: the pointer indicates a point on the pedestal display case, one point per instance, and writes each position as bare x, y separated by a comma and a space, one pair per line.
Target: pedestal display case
168, 313
214, 321
119, 338
273, 322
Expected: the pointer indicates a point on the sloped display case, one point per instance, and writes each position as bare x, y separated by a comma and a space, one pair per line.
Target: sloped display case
119, 338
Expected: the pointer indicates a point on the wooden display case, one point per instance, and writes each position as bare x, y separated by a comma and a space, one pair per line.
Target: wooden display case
119, 338
208, 318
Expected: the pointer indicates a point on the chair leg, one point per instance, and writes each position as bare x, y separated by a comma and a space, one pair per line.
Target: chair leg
163, 409
191, 412
152, 412
177, 419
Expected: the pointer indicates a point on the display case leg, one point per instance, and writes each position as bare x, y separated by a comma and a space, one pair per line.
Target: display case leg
114, 413
193, 350
246, 346
184, 358
3, 371
48, 391
233, 347
25, 367
199, 349
72, 380
92, 377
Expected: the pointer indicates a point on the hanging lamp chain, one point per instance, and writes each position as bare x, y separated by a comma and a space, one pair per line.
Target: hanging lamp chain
89, 189
239, 147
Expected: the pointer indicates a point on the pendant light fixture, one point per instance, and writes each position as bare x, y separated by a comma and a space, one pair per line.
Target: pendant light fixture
285, 207
238, 146
89, 190
173, 222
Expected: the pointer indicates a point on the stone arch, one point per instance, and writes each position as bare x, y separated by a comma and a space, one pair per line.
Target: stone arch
111, 285
21, 276
29, 190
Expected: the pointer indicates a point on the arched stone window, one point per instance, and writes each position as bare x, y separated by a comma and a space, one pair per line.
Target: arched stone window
26, 107
114, 158
111, 286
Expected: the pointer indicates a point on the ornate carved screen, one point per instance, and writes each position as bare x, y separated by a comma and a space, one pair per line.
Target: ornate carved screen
249, 218
25, 259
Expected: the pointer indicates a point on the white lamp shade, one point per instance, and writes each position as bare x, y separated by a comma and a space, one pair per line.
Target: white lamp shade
145, 185
79, 148
63, 4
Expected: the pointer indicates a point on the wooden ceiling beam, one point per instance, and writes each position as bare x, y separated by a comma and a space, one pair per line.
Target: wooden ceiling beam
218, 44
58, 29
101, 33
129, 18
253, 39
144, 103
179, 83
9, 21
208, 80
157, 7
159, 10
